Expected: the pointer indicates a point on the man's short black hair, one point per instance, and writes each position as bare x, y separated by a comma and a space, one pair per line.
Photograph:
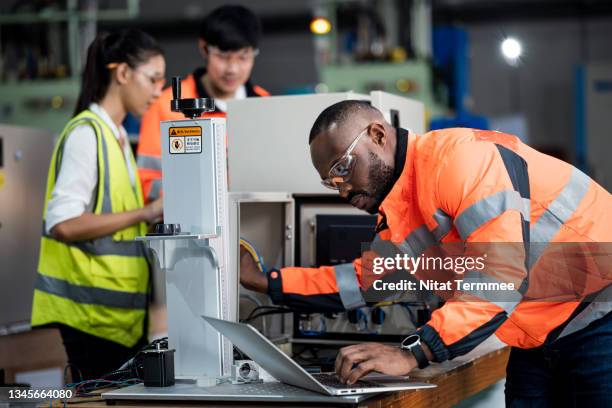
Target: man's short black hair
231, 28
337, 113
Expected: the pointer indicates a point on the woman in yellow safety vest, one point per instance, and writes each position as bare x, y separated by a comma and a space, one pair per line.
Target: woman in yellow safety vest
93, 277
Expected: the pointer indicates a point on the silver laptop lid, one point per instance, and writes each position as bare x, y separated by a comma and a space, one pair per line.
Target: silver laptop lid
266, 354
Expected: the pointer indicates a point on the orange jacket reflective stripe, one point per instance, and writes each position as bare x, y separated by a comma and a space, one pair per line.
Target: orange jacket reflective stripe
149, 143
471, 186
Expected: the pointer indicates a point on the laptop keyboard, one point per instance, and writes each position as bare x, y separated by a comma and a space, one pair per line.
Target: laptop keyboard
270, 388
331, 380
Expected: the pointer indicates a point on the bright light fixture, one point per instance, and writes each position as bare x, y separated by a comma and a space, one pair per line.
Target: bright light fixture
511, 48
320, 25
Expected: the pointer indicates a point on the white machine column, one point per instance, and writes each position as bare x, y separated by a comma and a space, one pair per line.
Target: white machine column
193, 245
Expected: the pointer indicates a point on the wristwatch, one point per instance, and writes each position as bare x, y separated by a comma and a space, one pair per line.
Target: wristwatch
412, 343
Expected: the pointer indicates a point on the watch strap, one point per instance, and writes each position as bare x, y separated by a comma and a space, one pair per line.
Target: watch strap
419, 355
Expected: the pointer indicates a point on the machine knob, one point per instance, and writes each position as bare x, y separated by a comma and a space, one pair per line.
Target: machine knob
176, 87
167, 229
191, 108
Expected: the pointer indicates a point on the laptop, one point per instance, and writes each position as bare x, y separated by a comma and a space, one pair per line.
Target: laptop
284, 369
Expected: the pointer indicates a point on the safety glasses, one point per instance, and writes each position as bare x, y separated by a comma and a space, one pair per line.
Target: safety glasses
241, 57
342, 169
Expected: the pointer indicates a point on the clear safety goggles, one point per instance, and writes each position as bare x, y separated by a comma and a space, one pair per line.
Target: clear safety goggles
342, 169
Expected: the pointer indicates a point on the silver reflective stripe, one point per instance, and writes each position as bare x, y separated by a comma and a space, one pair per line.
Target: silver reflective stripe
599, 307
384, 248
108, 246
60, 151
348, 286
106, 198
149, 162
557, 213
445, 224
561, 209
89, 295
489, 208
105, 246
505, 299
417, 242
155, 191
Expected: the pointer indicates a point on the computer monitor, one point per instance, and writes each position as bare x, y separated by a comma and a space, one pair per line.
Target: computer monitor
339, 238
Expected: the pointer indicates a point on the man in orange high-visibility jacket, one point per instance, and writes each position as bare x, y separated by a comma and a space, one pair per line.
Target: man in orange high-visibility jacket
466, 186
228, 43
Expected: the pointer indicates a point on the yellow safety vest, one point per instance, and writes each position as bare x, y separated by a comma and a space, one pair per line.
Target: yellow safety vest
97, 286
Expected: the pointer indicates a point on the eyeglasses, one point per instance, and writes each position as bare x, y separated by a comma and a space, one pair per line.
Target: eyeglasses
157, 81
342, 169
241, 57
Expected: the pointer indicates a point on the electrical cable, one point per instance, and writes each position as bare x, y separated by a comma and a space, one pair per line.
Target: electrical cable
250, 248
257, 303
251, 316
266, 313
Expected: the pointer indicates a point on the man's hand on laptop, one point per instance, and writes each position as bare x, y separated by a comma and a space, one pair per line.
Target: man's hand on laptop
250, 275
353, 362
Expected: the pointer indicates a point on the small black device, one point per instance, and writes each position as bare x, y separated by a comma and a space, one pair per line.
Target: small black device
158, 367
244, 372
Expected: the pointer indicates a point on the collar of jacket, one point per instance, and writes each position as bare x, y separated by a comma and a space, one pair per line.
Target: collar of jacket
200, 72
400, 152
404, 158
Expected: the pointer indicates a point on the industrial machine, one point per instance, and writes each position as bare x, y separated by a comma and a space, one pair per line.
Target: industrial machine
193, 246
24, 160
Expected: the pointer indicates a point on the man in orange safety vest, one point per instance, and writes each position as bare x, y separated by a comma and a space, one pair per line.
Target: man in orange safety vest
468, 187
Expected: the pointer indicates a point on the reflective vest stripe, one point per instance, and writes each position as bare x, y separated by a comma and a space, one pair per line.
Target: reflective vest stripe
445, 224
348, 286
417, 242
600, 306
155, 192
90, 295
490, 208
385, 248
105, 246
149, 162
557, 213
60, 149
504, 299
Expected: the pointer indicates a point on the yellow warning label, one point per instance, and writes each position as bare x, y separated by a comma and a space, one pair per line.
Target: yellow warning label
1, 179
186, 131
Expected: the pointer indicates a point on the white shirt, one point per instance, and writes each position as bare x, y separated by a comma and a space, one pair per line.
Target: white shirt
75, 189
221, 104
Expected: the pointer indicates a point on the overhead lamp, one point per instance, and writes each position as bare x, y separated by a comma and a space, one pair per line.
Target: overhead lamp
511, 49
320, 26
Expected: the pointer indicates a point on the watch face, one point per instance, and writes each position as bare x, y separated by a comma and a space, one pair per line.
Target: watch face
411, 341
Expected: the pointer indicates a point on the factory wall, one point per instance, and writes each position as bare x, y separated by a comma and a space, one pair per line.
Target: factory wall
545, 78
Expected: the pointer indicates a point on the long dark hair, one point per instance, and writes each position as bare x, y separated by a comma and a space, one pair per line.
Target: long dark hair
131, 46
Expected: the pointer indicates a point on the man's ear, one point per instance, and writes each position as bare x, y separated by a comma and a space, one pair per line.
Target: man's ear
202, 48
122, 73
378, 134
